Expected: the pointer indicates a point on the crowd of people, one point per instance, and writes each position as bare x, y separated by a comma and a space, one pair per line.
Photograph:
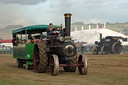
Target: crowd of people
32, 40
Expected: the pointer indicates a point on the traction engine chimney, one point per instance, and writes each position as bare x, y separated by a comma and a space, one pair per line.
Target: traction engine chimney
67, 23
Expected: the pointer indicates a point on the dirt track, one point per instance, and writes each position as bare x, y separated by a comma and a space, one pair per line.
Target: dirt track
102, 70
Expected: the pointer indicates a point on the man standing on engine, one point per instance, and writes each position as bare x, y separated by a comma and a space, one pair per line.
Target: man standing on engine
50, 29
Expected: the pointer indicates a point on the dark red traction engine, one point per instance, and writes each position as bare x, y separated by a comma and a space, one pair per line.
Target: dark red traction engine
59, 51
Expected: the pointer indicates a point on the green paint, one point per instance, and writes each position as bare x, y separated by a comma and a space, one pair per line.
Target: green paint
23, 51
19, 51
30, 62
29, 51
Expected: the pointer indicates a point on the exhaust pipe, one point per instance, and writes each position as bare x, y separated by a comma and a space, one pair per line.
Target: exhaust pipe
67, 23
100, 37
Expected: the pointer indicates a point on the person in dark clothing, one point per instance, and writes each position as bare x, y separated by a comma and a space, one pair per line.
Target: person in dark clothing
49, 32
29, 36
50, 29
82, 49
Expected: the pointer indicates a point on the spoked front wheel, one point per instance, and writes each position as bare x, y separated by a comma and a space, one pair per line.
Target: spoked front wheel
82, 68
54, 65
94, 50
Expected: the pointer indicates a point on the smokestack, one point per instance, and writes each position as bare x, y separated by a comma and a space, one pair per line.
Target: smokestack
67, 23
100, 37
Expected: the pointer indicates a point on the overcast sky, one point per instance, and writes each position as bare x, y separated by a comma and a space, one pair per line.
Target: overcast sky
30, 12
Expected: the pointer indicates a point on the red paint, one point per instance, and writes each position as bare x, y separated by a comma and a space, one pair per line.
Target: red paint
80, 43
100, 26
5, 41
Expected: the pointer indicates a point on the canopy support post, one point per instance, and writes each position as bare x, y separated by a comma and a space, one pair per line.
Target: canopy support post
26, 36
20, 37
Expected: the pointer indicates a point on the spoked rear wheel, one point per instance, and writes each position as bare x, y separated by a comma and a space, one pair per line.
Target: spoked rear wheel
82, 60
54, 65
116, 48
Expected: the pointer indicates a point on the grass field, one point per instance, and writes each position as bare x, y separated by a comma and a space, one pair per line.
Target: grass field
102, 70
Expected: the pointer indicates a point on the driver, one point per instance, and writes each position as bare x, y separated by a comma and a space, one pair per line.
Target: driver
49, 32
50, 29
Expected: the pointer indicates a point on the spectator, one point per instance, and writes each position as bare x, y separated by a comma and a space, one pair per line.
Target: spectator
40, 41
29, 41
34, 40
24, 41
57, 31
29, 36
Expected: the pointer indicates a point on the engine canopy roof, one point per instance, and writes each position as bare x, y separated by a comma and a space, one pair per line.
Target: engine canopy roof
32, 29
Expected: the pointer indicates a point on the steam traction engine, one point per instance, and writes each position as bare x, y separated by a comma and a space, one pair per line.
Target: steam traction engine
59, 51
108, 45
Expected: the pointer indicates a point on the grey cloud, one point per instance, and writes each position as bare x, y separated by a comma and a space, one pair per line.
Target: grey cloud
22, 2
5, 18
12, 17
61, 4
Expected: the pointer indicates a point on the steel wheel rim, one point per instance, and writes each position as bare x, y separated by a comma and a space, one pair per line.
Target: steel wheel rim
80, 67
115, 47
54, 65
95, 50
83, 67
